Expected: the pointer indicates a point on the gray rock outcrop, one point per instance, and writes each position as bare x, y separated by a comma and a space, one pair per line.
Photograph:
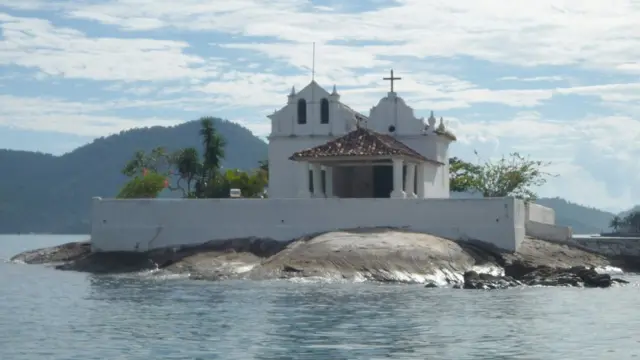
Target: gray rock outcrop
363, 254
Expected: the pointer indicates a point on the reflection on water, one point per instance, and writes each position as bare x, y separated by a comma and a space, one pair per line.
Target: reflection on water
48, 314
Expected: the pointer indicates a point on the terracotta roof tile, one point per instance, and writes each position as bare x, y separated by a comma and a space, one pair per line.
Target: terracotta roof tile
360, 142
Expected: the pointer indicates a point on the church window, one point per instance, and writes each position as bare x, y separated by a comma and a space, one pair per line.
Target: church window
302, 111
323, 179
324, 111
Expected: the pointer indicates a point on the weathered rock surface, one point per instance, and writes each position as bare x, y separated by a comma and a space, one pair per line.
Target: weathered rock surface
577, 276
367, 254
57, 254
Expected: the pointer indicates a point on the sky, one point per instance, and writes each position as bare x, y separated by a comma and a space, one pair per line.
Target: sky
557, 81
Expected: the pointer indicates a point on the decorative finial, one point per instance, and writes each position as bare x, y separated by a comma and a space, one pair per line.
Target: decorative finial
432, 120
334, 92
293, 91
441, 125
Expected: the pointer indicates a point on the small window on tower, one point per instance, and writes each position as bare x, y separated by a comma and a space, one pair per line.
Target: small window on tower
302, 111
324, 111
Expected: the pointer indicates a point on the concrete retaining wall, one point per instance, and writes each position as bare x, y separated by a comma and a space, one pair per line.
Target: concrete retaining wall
548, 232
540, 214
609, 246
143, 224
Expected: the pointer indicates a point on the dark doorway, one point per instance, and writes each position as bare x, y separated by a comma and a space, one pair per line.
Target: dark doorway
382, 181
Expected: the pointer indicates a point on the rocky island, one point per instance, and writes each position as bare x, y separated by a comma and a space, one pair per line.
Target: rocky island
384, 255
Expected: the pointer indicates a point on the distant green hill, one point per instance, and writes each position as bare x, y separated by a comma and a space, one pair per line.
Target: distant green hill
583, 219
46, 193
51, 194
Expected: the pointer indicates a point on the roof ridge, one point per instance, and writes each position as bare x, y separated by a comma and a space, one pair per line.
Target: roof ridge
359, 142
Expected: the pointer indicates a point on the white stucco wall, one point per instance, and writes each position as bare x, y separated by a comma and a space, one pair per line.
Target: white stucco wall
284, 122
142, 224
540, 222
284, 174
541, 214
392, 110
548, 231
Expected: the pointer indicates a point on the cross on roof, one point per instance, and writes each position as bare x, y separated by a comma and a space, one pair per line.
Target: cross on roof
391, 78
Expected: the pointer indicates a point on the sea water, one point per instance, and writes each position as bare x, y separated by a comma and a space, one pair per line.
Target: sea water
50, 314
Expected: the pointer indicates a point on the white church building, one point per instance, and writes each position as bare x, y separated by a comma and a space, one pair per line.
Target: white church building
335, 151
332, 168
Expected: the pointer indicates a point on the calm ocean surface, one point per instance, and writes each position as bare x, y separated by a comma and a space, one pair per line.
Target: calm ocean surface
49, 314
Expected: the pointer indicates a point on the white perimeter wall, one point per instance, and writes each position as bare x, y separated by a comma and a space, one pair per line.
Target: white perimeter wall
548, 232
541, 223
143, 224
541, 214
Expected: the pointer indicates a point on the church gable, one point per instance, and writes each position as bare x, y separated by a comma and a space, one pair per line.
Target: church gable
313, 92
392, 115
313, 111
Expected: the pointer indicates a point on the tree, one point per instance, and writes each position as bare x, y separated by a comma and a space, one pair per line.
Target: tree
194, 176
188, 168
250, 184
157, 161
213, 145
145, 186
462, 175
616, 223
510, 176
632, 221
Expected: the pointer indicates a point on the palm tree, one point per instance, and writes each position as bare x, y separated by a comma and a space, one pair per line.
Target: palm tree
188, 166
136, 164
616, 223
213, 145
631, 222
634, 221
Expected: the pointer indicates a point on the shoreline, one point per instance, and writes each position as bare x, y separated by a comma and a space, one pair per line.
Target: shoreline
380, 254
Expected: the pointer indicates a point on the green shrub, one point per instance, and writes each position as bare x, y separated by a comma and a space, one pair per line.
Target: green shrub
140, 187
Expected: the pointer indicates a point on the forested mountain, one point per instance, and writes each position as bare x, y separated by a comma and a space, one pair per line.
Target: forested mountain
51, 194
46, 193
583, 219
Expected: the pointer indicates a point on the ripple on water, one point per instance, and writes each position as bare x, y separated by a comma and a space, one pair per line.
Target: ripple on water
48, 314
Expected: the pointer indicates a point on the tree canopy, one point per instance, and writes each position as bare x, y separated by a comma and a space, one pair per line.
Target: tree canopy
193, 175
198, 176
143, 186
513, 175
628, 223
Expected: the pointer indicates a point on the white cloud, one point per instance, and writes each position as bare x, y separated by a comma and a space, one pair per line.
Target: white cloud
590, 33
68, 53
532, 79
595, 158
85, 119
609, 93
261, 129
422, 90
